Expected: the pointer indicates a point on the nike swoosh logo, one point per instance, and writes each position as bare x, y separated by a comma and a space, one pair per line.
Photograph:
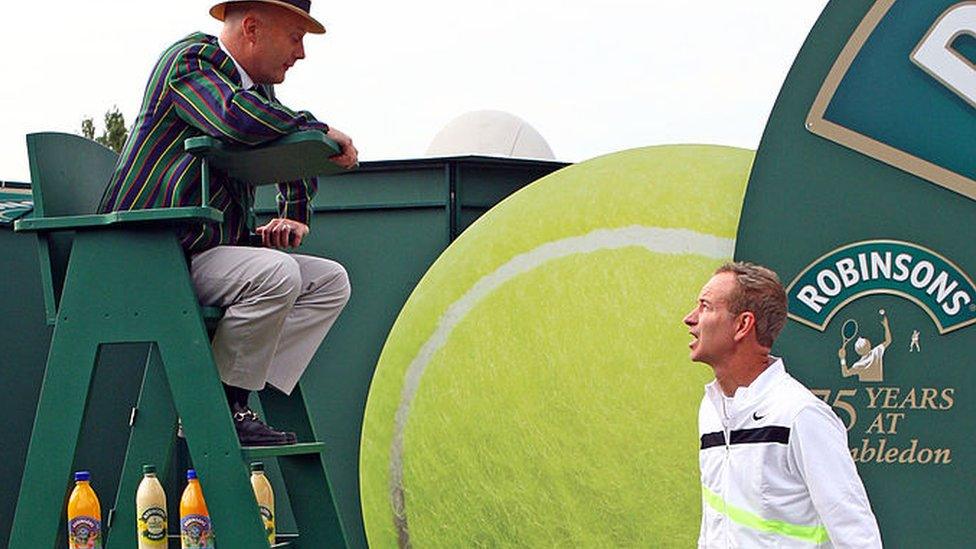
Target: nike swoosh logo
756, 416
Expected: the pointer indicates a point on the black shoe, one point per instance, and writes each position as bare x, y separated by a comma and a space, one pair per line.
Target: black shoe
251, 431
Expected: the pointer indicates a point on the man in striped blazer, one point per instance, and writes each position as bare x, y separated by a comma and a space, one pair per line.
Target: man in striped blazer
279, 306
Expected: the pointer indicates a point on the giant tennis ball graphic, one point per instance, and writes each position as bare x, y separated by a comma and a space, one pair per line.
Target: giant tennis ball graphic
536, 388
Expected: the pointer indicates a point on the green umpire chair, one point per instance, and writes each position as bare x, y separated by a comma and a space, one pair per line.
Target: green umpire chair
122, 277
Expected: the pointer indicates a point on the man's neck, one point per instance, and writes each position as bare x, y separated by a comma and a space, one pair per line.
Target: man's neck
741, 371
232, 48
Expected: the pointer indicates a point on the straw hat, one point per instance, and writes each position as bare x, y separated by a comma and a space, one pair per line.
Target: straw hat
301, 7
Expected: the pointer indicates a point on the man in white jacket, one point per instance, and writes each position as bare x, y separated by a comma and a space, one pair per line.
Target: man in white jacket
775, 466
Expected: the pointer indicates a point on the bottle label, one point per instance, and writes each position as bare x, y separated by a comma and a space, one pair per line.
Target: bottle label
152, 524
269, 528
196, 533
84, 533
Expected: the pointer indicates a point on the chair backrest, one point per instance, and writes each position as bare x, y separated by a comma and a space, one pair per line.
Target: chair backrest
68, 173
68, 176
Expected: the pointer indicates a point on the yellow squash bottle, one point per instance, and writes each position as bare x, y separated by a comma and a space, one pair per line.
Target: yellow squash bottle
84, 515
265, 496
151, 511
196, 531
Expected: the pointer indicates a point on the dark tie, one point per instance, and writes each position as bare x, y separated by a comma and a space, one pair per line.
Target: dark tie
265, 90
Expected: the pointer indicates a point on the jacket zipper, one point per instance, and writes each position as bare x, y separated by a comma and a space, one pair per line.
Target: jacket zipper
725, 475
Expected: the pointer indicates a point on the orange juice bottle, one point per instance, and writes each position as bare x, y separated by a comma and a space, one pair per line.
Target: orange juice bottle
265, 496
84, 515
150, 511
195, 529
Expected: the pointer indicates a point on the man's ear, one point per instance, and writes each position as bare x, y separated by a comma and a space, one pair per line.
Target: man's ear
249, 27
745, 323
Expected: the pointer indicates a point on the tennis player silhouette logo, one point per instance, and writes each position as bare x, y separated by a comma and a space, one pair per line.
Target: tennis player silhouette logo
870, 364
913, 347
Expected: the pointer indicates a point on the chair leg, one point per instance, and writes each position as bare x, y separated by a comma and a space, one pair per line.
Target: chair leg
54, 439
212, 441
152, 440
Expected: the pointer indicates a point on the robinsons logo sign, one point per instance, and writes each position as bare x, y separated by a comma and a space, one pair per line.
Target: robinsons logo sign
904, 269
885, 419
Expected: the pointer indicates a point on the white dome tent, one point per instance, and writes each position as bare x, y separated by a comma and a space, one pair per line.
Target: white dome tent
490, 133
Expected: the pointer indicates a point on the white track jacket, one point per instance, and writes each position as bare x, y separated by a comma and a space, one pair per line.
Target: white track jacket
776, 470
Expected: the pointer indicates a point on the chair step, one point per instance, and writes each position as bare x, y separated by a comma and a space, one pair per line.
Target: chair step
302, 448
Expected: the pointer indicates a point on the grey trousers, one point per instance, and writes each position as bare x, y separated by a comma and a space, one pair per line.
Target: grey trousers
278, 308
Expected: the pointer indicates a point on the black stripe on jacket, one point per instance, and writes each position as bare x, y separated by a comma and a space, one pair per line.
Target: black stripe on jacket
773, 433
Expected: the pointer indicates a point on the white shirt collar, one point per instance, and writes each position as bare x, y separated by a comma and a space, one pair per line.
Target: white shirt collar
758, 386
246, 81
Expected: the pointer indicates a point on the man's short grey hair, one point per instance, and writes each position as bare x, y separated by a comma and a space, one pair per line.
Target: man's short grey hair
759, 291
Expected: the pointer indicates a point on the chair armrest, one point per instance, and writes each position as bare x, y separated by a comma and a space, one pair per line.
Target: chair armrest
294, 156
153, 216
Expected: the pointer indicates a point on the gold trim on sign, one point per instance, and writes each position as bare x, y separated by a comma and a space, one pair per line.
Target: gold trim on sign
953, 52
817, 124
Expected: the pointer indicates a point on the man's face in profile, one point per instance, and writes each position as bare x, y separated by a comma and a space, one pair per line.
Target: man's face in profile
279, 44
710, 323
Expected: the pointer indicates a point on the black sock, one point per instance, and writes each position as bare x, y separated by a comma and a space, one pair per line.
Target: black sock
236, 395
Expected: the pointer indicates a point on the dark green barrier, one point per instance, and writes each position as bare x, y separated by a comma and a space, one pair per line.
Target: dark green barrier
24, 340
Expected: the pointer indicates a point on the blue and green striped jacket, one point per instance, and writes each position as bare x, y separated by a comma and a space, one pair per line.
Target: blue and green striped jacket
194, 90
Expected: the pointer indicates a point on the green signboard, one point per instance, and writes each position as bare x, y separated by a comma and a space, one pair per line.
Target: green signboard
860, 197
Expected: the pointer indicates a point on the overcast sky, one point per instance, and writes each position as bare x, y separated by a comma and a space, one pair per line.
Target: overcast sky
591, 76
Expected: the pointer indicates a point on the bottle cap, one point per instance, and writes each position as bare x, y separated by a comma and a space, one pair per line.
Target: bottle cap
149, 469
191, 474
82, 475
257, 466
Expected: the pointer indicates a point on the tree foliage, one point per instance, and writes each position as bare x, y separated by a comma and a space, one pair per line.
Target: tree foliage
115, 132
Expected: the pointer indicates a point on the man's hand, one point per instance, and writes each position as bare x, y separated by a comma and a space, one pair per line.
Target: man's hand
349, 157
282, 233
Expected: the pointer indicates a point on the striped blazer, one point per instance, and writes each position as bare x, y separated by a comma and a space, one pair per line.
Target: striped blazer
195, 89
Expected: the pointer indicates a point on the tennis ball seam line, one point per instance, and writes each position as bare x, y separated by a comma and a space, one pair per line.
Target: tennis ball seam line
654, 239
